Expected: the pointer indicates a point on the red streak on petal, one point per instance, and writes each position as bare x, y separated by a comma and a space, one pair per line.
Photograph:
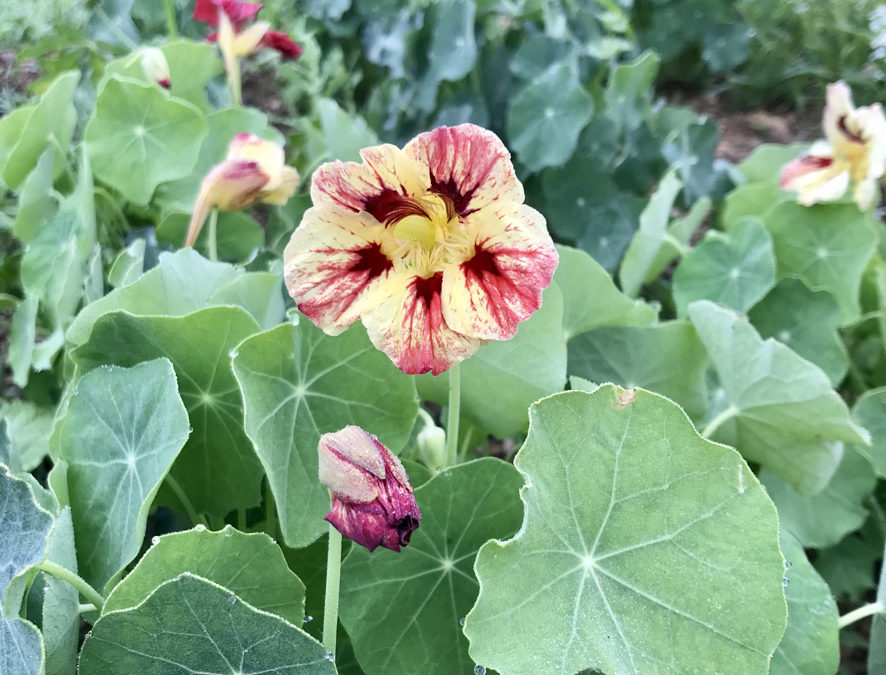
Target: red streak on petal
841, 125
371, 260
801, 166
428, 290
456, 201
389, 206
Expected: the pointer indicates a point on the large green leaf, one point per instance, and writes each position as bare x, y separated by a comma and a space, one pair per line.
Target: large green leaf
764, 164
250, 565
590, 297
60, 623
650, 237
810, 644
735, 269
546, 117
403, 610
24, 531
827, 246
823, 519
870, 412
298, 384
640, 546
140, 137
500, 381
51, 124
217, 468
122, 431
192, 625
754, 199
778, 409
807, 322
667, 358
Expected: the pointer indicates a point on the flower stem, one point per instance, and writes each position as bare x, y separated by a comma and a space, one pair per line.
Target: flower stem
171, 28
74, 580
234, 81
452, 417
715, 423
857, 614
213, 235
194, 517
330, 606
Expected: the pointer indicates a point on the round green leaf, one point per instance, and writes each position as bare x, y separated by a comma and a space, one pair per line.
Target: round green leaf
735, 269
823, 519
403, 611
827, 246
753, 199
139, 137
299, 383
250, 565
641, 546
807, 322
192, 625
811, 643
123, 429
546, 117
778, 408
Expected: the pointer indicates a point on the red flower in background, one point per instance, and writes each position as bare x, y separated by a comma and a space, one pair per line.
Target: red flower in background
234, 36
238, 12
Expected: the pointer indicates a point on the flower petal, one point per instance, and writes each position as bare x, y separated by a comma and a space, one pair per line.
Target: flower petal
385, 183
333, 262
408, 325
488, 295
836, 111
469, 165
238, 12
864, 193
282, 43
815, 179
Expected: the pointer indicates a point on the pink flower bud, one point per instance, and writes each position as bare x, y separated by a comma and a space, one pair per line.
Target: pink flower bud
372, 500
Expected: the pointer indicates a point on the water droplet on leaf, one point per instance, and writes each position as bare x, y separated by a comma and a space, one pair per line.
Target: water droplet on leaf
155, 541
785, 582
200, 527
461, 621
308, 618
479, 670
330, 656
232, 600
787, 564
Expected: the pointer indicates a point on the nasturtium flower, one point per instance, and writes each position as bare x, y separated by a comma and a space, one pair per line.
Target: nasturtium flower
431, 246
853, 156
155, 66
236, 38
253, 171
372, 500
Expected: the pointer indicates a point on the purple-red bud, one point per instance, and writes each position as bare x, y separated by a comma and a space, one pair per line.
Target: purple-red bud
372, 500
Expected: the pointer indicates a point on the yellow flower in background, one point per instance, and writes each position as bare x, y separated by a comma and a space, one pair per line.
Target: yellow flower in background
853, 156
431, 246
254, 170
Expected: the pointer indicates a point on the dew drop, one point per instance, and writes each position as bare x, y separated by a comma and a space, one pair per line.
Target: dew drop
200, 527
785, 582
787, 564
479, 670
308, 618
233, 353
330, 656
228, 532
155, 541
232, 600
461, 621
447, 473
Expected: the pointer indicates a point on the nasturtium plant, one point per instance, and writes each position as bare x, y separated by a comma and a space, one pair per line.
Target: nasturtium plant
672, 464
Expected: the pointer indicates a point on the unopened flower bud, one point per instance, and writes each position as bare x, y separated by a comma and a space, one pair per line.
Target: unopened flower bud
155, 66
372, 500
432, 446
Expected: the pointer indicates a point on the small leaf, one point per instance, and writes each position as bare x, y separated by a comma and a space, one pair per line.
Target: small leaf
29, 427
190, 624
823, 519
780, 409
122, 431
590, 297
807, 322
632, 521
61, 601
36, 200
736, 269
546, 117
298, 384
870, 412
827, 246
403, 611
811, 642
139, 137
249, 565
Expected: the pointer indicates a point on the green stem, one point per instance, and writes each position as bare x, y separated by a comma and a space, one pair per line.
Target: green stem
85, 609
234, 82
715, 423
453, 415
860, 613
213, 235
193, 516
330, 606
171, 28
74, 580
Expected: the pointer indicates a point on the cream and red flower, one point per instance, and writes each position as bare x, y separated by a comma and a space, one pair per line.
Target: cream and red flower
372, 500
853, 156
430, 245
155, 66
254, 170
